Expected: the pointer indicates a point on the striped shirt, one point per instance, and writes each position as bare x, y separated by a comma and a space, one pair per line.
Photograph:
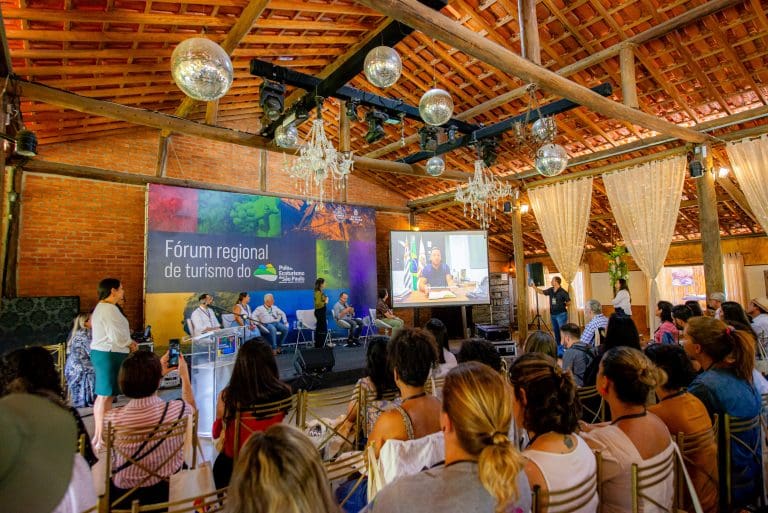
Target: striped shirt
145, 412
597, 322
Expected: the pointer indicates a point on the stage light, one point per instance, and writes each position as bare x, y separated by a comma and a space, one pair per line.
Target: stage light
352, 110
428, 138
375, 120
25, 143
271, 99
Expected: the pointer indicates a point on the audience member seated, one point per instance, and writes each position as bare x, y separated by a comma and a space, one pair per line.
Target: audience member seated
280, 471
578, 355
274, 321
667, 332
245, 318
479, 350
255, 381
385, 314
758, 311
620, 332
695, 308
725, 387
411, 355
625, 379
139, 379
540, 342
735, 316
545, 404
680, 316
377, 381
684, 413
203, 317
31, 370
39, 470
444, 355
344, 312
483, 471
597, 322
79, 372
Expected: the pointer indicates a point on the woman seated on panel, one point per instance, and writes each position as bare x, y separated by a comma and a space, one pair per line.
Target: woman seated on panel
545, 404
244, 317
411, 354
446, 359
727, 357
625, 379
255, 381
684, 413
483, 471
139, 379
378, 380
79, 372
280, 471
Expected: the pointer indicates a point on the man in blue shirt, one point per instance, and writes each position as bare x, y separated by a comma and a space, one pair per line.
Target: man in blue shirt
436, 273
598, 321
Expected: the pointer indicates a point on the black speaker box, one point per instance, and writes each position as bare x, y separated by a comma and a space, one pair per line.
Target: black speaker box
314, 361
536, 273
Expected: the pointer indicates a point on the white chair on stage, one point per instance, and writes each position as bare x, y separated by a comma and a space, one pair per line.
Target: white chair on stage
341, 323
378, 323
305, 320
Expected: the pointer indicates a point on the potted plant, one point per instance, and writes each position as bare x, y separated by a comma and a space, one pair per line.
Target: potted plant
617, 266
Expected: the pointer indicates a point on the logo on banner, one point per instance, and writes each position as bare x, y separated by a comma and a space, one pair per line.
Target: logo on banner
265, 272
288, 274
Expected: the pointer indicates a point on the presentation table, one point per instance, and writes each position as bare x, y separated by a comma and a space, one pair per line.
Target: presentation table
464, 293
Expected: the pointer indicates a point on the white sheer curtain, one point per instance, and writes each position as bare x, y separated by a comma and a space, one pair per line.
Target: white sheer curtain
562, 211
735, 278
645, 201
749, 158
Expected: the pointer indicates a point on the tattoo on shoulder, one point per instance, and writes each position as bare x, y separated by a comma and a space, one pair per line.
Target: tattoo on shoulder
568, 441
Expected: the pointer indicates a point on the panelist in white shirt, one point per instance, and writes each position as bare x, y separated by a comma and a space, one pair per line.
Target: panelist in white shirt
274, 320
203, 317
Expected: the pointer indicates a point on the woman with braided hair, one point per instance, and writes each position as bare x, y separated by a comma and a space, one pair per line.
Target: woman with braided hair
483, 471
625, 379
545, 404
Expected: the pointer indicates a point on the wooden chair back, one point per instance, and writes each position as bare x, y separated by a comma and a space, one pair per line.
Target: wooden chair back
568, 500
733, 430
213, 502
346, 467
369, 408
690, 445
645, 477
589, 397
59, 353
311, 405
243, 430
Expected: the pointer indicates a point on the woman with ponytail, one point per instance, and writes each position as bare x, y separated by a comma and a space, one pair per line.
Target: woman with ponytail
545, 404
483, 471
727, 357
625, 379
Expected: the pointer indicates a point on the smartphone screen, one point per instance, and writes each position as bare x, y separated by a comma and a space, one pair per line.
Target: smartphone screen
173, 353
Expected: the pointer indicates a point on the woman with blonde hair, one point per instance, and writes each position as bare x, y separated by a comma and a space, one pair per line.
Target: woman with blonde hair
79, 372
483, 471
280, 471
625, 380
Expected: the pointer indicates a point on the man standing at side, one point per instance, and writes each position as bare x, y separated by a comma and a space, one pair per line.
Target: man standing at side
343, 312
559, 301
203, 319
597, 321
274, 320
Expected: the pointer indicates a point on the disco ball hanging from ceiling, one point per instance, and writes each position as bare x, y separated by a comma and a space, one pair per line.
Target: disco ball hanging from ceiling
382, 66
435, 166
201, 69
551, 160
286, 136
436, 107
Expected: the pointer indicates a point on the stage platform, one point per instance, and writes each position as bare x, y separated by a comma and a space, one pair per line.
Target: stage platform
349, 367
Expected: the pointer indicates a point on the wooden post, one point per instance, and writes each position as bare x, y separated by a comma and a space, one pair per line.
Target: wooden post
628, 80
162, 156
11, 242
709, 226
263, 161
530, 26
212, 112
520, 277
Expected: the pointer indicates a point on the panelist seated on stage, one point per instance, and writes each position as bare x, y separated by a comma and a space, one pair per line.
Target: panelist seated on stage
203, 317
244, 317
343, 312
274, 321
435, 273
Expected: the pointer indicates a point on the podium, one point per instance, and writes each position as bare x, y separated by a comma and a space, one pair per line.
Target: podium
212, 361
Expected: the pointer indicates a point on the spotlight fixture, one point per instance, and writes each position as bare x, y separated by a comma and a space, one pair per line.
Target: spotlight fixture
509, 207
428, 138
25, 141
696, 161
352, 106
375, 120
271, 99
452, 132
488, 150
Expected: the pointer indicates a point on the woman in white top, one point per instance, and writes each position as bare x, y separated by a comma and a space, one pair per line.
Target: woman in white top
545, 404
110, 344
623, 300
635, 436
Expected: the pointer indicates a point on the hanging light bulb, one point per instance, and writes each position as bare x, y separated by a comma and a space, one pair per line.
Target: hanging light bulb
382, 66
201, 69
435, 166
551, 160
436, 107
286, 136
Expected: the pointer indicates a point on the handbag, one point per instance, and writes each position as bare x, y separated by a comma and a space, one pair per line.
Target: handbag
189, 484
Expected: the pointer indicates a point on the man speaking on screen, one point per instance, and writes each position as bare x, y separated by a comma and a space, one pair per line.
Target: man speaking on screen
435, 273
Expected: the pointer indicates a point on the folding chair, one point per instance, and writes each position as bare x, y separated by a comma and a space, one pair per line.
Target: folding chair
567, 500
645, 480
305, 320
285, 408
312, 403
378, 323
346, 467
59, 353
735, 430
592, 410
133, 444
209, 503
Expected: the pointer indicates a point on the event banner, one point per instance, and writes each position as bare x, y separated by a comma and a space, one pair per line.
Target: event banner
225, 243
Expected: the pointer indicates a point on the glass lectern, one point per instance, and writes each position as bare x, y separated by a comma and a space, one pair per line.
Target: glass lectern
213, 358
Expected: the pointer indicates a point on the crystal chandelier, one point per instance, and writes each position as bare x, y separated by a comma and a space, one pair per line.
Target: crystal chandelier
317, 161
482, 193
